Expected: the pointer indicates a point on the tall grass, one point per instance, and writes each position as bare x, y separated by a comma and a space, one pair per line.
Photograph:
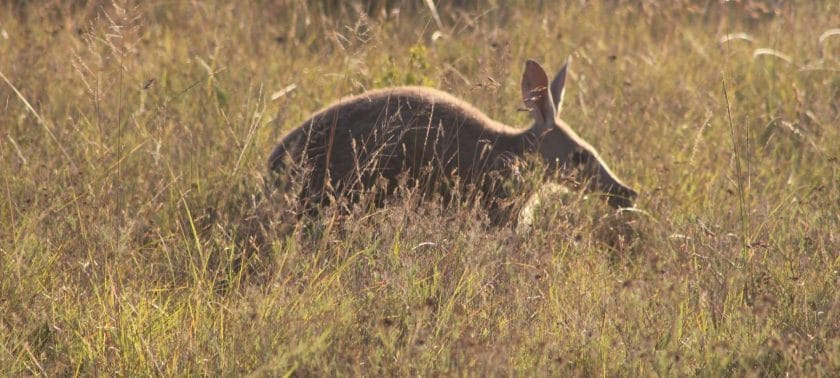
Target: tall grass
138, 237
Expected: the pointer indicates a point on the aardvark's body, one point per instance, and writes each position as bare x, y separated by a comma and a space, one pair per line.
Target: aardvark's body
435, 140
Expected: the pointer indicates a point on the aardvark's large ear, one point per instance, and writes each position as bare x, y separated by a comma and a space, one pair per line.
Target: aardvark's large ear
558, 86
535, 94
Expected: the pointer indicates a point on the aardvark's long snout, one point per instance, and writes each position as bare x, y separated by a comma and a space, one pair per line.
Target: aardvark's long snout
621, 196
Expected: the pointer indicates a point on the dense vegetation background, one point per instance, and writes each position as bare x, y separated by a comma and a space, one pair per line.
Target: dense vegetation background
137, 236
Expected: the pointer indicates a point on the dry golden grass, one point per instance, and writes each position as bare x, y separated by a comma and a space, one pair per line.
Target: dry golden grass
137, 236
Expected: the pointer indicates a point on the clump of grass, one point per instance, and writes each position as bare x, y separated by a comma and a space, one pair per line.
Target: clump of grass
138, 237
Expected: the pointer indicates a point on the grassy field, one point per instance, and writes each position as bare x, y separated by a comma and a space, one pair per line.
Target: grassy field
137, 236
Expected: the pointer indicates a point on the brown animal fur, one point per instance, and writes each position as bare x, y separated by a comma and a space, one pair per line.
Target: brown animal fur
436, 140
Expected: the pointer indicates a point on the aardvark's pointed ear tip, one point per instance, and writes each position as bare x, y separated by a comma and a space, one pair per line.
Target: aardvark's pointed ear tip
566, 63
534, 70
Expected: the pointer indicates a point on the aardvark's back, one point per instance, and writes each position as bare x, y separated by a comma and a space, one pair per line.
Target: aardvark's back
386, 132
